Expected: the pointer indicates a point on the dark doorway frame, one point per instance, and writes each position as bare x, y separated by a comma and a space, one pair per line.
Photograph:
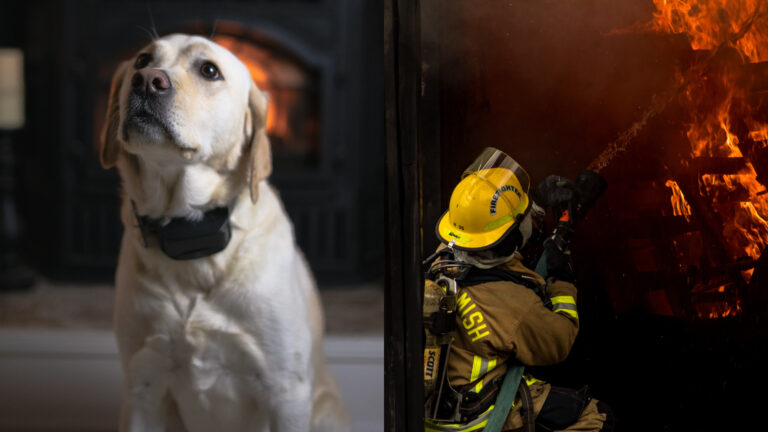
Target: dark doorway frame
403, 393
413, 203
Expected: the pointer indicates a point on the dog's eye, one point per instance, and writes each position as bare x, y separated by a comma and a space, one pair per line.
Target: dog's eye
209, 71
142, 60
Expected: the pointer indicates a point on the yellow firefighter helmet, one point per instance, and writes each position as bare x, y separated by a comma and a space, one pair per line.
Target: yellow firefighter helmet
490, 200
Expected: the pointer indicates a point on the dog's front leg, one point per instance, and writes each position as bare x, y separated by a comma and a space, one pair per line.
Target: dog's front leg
148, 385
292, 410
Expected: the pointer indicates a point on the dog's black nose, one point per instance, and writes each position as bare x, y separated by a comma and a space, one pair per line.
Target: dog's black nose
150, 81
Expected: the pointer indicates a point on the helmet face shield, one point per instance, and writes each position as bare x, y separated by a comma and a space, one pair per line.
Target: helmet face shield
488, 202
493, 158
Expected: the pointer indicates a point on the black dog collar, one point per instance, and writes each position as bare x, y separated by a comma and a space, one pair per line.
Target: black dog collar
183, 239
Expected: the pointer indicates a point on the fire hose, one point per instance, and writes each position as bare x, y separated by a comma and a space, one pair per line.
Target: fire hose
571, 200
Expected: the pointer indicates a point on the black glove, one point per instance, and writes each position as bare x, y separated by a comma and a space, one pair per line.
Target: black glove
556, 192
559, 263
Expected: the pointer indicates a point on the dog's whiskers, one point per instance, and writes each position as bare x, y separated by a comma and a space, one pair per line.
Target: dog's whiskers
213, 30
152, 22
147, 31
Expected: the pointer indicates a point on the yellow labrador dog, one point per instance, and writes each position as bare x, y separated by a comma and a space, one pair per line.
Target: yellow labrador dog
217, 317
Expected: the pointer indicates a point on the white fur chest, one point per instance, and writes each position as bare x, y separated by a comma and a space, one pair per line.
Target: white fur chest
213, 364
207, 330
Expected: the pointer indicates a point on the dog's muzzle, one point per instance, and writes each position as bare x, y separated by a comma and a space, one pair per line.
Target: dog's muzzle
150, 98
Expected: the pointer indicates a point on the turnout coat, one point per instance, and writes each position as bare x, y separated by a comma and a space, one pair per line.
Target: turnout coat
501, 319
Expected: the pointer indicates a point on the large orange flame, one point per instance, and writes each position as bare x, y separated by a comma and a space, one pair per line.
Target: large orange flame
710, 23
739, 199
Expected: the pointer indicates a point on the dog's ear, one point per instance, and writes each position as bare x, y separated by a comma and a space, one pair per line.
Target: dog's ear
110, 146
260, 156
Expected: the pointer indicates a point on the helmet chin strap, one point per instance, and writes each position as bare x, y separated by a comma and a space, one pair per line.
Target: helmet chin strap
487, 259
526, 229
482, 259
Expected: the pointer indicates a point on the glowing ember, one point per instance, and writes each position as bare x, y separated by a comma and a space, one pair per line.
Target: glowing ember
680, 206
718, 309
747, 274
717, 300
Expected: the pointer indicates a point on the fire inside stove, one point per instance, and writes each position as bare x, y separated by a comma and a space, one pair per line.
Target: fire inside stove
721, 185
292, 118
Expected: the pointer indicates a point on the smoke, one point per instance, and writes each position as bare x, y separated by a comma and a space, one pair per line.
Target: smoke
542, 80
554, 77
659, 102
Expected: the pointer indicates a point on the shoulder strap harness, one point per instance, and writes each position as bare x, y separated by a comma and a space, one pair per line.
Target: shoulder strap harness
441, 323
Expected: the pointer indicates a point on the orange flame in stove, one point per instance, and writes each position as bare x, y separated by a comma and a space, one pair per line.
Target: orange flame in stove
281, 79
258, 74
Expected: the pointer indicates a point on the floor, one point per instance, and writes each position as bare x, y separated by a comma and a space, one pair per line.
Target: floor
348, 309
59, 367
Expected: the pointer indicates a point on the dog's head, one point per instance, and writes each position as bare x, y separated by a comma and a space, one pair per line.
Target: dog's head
184, 99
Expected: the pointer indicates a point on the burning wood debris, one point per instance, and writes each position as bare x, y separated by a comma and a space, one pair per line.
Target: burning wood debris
725, 123
721, 186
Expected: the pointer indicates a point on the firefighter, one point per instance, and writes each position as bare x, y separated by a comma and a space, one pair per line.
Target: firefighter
504, 311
